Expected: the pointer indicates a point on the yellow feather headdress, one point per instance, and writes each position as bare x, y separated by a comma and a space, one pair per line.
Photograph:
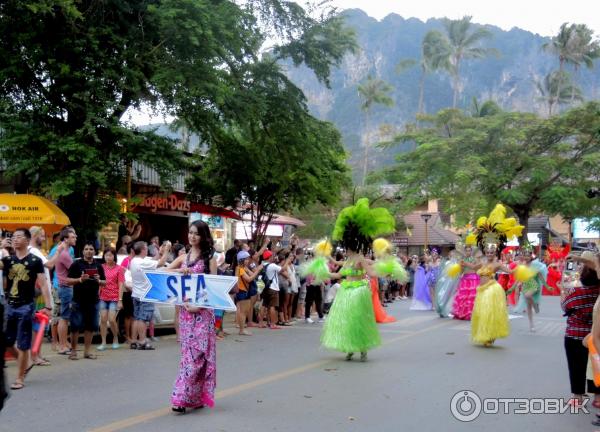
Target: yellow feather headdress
496, 228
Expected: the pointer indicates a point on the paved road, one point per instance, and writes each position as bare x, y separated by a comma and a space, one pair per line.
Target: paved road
283, 381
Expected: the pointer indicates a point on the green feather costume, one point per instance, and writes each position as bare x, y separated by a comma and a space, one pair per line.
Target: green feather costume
351, 326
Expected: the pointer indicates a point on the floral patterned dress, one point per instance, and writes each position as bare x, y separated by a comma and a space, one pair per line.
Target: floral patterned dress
196, 380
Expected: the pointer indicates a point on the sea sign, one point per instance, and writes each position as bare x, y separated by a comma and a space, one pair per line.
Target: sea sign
202, 290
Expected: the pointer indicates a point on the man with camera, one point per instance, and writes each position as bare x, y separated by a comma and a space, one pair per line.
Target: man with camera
85, 276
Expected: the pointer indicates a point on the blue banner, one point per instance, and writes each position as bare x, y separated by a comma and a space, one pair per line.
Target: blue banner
202, 290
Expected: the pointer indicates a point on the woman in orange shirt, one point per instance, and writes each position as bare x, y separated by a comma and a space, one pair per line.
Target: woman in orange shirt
243, 298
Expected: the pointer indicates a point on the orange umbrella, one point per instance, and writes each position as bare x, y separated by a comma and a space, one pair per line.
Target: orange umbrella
24, 211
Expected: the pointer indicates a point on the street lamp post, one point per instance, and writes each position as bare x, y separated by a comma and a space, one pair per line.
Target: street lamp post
426, 217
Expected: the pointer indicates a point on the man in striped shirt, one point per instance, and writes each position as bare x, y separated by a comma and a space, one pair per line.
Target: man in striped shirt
578, 305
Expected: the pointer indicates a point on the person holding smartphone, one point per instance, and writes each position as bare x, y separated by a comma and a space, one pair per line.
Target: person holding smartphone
86, 276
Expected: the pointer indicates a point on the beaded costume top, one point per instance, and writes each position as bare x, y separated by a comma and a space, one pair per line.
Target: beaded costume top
486, 271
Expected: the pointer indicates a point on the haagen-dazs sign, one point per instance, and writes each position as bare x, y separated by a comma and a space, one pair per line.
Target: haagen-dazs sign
171, 203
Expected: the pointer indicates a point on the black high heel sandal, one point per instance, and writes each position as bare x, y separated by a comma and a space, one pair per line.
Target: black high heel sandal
178, 410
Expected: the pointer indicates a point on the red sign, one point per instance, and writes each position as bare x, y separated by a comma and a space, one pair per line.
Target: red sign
171, 203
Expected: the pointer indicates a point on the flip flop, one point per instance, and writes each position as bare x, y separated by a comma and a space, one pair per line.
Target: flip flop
42, 362
17, 385
73, 356
29, 369
90, 356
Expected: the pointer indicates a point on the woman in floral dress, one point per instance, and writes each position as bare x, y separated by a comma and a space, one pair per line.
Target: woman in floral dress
196, 380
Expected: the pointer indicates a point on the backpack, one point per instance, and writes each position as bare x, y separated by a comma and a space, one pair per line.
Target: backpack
265, 279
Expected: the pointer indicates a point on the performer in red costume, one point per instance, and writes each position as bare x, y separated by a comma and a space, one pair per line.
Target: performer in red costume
555, 259
507, 280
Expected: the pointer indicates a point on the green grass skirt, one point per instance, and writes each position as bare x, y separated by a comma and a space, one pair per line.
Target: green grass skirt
350, 325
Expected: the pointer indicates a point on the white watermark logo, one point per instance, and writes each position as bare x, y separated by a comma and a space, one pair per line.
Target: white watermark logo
466, 406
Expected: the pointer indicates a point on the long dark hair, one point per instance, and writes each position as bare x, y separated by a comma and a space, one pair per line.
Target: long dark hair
354, 240
207, 245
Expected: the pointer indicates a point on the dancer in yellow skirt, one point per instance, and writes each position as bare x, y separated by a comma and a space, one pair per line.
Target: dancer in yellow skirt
489, 320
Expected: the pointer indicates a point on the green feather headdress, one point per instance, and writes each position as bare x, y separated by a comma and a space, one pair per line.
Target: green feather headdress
356, 226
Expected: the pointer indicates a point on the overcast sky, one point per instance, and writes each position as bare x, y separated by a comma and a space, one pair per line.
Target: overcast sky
539, 16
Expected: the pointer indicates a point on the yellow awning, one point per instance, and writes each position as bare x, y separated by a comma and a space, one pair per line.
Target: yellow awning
24, 211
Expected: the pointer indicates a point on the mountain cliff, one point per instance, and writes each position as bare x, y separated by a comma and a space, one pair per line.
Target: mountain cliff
508, 79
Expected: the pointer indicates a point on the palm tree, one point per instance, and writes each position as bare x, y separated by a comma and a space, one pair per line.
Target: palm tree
562, 46
487, 108
464, 42
557, 89
434, 56
585, 49
373, 91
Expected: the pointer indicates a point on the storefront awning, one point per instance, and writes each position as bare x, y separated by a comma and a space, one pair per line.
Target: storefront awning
288, 220
278, 220
212, 210
24, 211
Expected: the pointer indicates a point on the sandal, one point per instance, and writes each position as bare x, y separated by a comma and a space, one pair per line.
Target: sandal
65, 352
146, 347
17, 385
245, 333
29, 369
73, 356
178, 410
42, 362
90, 356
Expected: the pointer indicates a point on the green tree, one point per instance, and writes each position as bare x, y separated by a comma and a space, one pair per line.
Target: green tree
485, 109
573, 45
273, 155
562, 46
70, 69
320, 219
557, 89
434, 56
586, 50
464, 42
526, 162
372, 92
